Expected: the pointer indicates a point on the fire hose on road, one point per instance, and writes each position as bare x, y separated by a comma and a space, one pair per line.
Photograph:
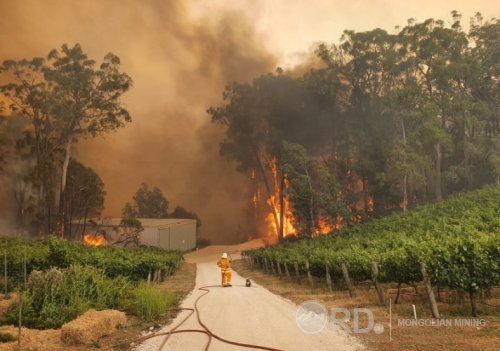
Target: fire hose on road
205, 329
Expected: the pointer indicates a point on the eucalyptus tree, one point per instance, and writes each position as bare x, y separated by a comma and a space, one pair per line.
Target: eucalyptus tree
84, 196
361, 68
147, 203
313, 191
485, 89
258, 117
181, 212
66, 97
436, 55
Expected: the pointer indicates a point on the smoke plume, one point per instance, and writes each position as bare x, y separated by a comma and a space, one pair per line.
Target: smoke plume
180, 65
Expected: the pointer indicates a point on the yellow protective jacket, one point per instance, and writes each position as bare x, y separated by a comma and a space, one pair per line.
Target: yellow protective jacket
224, 264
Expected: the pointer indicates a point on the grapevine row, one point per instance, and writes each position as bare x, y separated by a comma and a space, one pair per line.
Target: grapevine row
458, 240
134, 263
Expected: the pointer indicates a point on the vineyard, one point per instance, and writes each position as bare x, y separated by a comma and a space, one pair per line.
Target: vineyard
59, 280
133, 263
454, 244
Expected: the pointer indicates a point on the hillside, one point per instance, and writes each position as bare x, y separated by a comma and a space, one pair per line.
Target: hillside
458, 240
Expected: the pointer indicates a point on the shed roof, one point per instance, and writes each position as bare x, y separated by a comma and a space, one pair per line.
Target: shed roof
152, 222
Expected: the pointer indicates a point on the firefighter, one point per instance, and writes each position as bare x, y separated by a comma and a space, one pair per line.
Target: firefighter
225, 267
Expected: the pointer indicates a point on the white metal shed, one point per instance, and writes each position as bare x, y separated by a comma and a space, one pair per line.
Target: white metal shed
170, 233
167, 233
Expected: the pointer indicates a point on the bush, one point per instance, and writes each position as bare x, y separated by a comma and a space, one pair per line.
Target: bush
149, 302
134, 263
6, 337
57, 296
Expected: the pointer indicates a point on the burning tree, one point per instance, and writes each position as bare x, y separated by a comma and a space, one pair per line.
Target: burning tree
313, 190
259, 117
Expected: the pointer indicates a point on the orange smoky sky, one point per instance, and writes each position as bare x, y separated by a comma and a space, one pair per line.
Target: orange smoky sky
180, 55
179, 66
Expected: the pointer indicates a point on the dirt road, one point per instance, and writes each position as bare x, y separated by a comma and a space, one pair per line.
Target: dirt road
246, 315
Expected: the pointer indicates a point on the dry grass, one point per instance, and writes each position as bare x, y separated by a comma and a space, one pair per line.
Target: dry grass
6, 302
483, 338
92, 326
39, 340
50, 340
180, 284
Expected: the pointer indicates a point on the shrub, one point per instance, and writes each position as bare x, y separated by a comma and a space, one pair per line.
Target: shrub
134, 263
6, 337
56, 296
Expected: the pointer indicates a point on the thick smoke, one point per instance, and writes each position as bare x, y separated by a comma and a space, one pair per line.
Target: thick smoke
180, 66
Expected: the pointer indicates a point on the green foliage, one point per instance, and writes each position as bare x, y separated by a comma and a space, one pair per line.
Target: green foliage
181, 212
56, 296
458, 239
64, 97
399, 119
128, 231
313, 190
67, 278
84, 192
6, 337
135, 263
149, 302
147, 204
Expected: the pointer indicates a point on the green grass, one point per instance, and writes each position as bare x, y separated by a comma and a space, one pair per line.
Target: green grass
149, 302
56, 296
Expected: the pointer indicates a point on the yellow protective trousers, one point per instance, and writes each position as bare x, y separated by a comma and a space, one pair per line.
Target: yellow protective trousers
226, 276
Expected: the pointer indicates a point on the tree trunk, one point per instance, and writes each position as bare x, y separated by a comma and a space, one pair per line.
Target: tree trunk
473, 303
287, 272
430, 292
297, 274
281, 233
49, 219
328, 277
84, 223
309, 275
397, 295
365, 199
71, 211
61, 216
405, 192
347, 279
405, 176
20, 197
437, 183
270, 194
378, 286
311, 202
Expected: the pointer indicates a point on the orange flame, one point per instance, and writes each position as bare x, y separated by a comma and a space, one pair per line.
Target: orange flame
94, 240
288, 228
324, 226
